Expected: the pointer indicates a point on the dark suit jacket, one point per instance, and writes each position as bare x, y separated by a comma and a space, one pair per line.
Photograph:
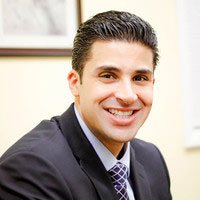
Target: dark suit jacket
55, 161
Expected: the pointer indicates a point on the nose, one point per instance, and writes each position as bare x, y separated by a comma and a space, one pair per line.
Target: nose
126, 93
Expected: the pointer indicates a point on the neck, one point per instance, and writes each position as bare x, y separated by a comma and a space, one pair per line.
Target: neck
117, 149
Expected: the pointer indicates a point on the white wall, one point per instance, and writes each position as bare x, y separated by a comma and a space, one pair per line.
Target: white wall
35, 88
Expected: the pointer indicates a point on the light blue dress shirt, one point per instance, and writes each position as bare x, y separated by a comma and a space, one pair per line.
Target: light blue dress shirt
106, 157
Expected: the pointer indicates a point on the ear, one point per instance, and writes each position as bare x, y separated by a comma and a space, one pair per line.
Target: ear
74, 82
153, 81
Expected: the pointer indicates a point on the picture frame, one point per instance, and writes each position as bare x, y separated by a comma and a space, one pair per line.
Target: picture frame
189, 43
38, 28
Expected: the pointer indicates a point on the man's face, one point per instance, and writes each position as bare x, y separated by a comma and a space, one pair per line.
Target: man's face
115, 96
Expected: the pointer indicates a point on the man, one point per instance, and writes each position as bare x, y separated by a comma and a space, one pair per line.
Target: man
90, 152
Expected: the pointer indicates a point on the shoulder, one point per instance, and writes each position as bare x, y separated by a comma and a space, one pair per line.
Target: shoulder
151, 159
46, 141
36, 160
44, 136
149, 156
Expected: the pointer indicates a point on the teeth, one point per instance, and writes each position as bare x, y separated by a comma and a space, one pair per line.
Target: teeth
120, 114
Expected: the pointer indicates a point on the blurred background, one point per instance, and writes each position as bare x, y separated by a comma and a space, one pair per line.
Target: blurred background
35, 88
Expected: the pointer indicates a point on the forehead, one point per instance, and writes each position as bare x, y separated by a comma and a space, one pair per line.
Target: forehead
120, 54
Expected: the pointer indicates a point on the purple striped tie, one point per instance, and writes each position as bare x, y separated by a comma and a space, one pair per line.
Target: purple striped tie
119, 175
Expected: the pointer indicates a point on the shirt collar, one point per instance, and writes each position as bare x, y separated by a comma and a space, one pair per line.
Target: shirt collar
106, 157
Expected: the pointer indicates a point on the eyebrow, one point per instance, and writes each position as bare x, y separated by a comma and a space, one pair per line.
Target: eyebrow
108, 68
112, 68
144, 71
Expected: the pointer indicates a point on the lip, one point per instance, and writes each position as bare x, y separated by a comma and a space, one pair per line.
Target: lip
122, 121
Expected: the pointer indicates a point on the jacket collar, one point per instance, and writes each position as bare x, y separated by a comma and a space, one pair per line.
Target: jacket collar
139, 177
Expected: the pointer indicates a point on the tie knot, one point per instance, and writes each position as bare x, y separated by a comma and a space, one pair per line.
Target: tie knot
119, 174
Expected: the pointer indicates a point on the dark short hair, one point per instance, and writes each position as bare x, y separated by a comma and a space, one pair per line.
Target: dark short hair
111, 25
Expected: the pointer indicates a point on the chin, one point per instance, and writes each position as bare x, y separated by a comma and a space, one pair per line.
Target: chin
124, 139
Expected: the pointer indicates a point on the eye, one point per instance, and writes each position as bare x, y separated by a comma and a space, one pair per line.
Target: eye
107, 76
140, 78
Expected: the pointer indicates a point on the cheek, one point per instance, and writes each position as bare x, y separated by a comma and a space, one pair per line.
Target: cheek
146, 96
98, 92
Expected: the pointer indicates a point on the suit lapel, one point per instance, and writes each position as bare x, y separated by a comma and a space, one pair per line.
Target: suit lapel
139, 178
100, 179
86, 155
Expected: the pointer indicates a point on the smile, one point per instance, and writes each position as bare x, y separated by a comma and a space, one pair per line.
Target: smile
121, 114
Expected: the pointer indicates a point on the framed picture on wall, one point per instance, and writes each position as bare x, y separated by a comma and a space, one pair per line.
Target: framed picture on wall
189, 39
38, 27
